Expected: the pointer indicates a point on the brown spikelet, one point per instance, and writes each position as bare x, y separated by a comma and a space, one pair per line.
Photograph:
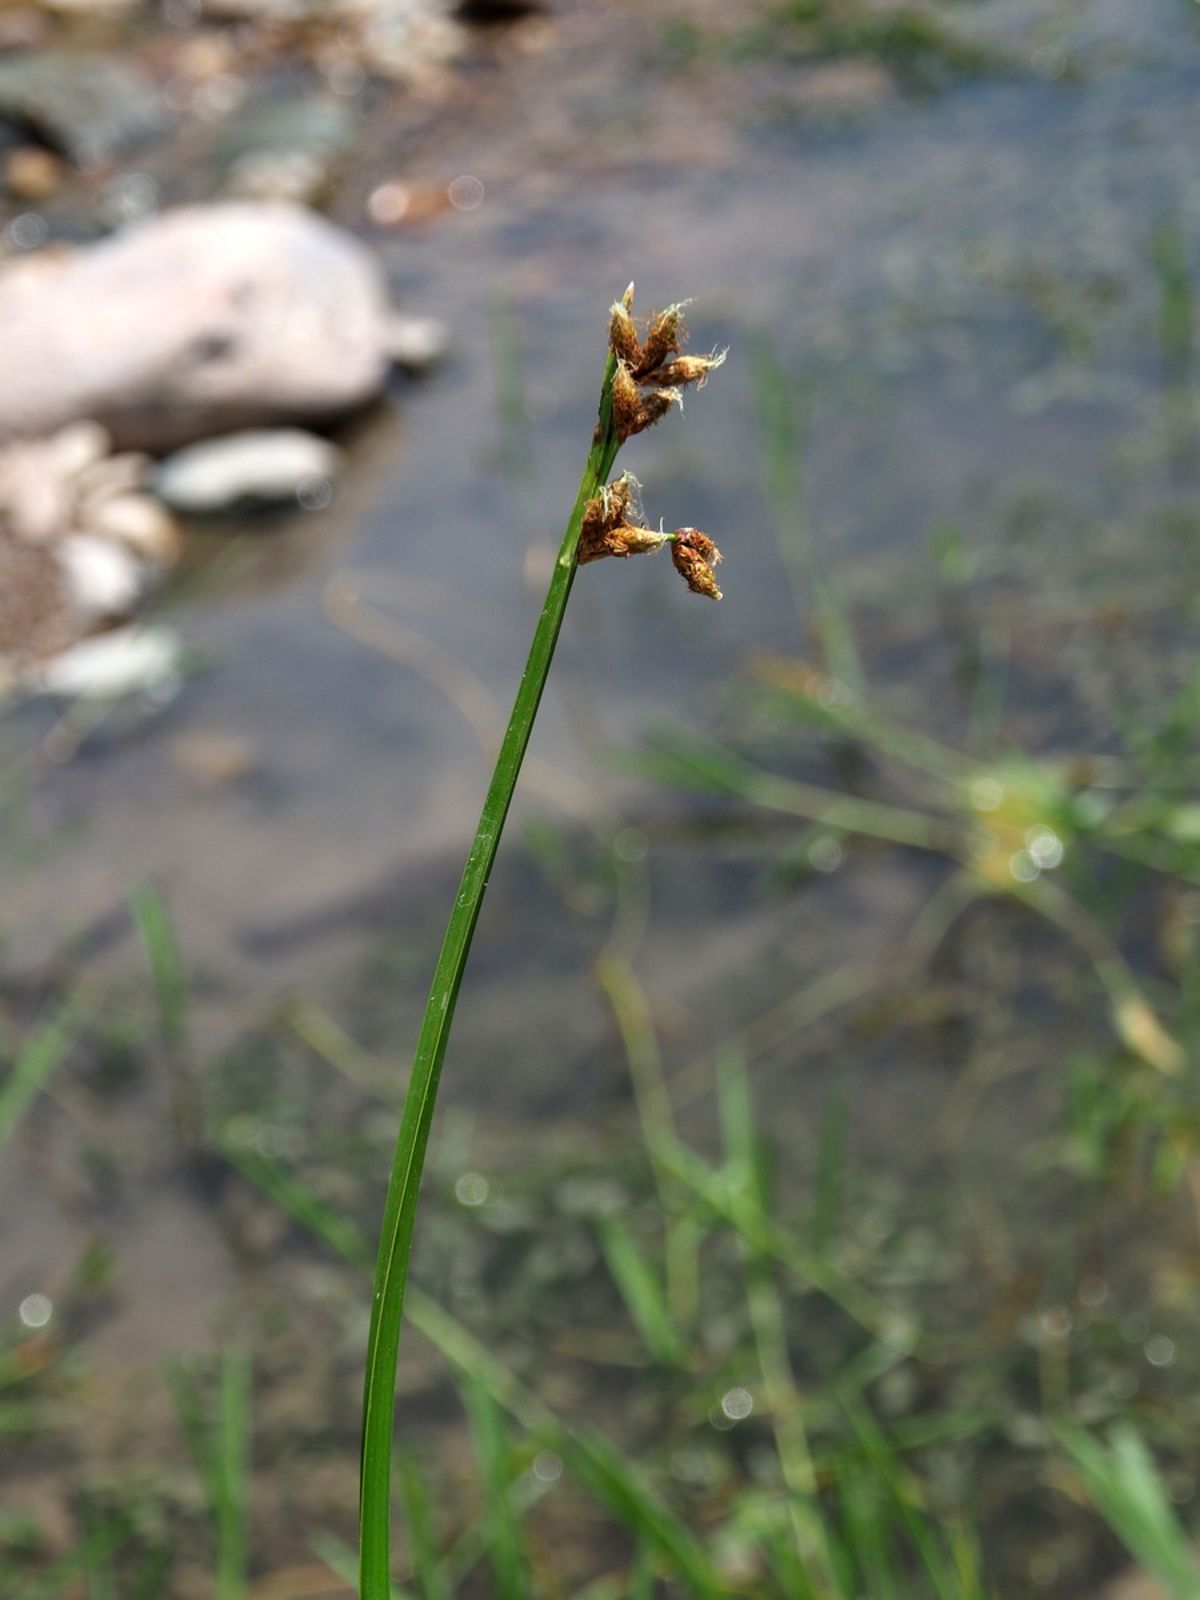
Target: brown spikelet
664, 339
655, 406
626, 403
695, 556
622, 336
684, 370
627, 540
619, 498
608, 529
592, 531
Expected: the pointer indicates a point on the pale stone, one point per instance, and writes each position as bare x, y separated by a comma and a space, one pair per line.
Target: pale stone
31, 173
263, 466
140, 524
201, 320
102, 579
110, 665
417, 343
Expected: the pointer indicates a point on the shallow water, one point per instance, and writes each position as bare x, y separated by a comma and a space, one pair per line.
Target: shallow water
892, 262
964, 282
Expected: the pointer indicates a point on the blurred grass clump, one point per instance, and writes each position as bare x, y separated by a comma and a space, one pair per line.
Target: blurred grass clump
679, 1369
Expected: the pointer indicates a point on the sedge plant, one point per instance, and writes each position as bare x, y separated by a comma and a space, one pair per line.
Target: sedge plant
644, 377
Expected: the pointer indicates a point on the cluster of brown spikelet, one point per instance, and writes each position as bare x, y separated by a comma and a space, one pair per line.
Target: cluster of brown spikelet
651, 374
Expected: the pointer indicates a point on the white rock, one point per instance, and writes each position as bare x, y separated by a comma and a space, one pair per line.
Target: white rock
251, 10
417, 343
297, 175
77, 447
88, 8
115, 475
110, 665
139, 523
39, 478
102, 579
36, 503
266, 467
198, 321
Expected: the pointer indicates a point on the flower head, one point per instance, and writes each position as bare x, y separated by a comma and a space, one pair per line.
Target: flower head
649, 377
695, 556
622, 335
684, 370
612, 524
663, 339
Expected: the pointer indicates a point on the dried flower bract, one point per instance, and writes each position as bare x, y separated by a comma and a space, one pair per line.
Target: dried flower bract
684, 370
622, 336
626, 403
664, 338
608, 528
695, 556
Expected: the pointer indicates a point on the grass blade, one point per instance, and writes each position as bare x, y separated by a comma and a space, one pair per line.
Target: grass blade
895, 1481
157, 933
642, 1293
35, 1065
510, 1563
1122, 1482
220, 1454
623, 411
422, 1545
395, 1245
342, 1561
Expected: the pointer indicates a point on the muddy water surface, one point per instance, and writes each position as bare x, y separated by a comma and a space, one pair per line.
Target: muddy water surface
963, 284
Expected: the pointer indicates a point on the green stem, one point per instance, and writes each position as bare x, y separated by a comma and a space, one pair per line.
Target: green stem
395, 1244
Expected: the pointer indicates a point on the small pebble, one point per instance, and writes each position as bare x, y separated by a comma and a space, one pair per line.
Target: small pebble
259, 467
31, 173
102, 579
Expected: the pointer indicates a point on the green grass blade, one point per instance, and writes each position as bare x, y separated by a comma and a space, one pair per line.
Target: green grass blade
621, 1487
233, 1474
300, 1202
764, 1235
494, 1454
103, 1536
395, 1245
157, 933
61, 1579
590, 1459
688, 761
1176, 321
642, 1292
342, 1561
641, 1575
748, 1184
326, 1038
783, 426
903, 1501
867, 1531
220, 1455
194, 1425
418, 1520
1125, 1488
35, 1065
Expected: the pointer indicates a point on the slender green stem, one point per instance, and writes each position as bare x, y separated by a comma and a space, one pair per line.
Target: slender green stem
395, 1245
